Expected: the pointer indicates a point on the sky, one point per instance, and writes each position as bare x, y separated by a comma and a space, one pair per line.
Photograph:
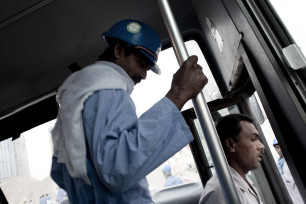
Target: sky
293, 16
156, 86
39, 150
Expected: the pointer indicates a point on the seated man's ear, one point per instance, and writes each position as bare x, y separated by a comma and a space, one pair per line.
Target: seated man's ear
230, 145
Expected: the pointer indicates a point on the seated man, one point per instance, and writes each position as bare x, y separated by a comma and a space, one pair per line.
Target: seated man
286, 175
243, 151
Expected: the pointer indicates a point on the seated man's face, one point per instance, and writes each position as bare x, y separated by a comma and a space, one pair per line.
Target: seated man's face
249, 149
278, 150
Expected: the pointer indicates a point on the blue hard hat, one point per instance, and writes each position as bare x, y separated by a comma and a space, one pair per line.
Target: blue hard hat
275, 142
138, 35
166, 168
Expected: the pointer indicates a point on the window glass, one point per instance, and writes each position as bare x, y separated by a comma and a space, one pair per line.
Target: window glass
292, 14
278, 156
153, 89
156, 86
181, 166
25, 165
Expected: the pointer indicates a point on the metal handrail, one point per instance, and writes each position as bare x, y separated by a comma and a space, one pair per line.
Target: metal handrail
202, 111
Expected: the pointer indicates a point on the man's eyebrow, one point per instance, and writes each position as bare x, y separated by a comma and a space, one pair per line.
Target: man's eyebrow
256, 134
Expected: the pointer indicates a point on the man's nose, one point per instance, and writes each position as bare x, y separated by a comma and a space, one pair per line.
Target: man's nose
261, 146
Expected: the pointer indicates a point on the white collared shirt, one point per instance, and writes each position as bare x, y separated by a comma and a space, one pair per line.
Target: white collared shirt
213, 192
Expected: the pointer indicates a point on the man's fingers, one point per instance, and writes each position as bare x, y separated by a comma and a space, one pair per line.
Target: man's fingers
206, 81
191, 61
198, 67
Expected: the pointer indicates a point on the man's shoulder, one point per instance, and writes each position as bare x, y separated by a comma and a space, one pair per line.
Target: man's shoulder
212, 192
213, 184
107, 98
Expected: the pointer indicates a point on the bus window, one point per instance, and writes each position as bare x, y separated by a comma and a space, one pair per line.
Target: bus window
278, 156
156, 86
25, 167
153, 89
293, 16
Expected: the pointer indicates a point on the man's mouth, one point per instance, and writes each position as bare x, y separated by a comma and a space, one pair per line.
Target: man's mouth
260, 157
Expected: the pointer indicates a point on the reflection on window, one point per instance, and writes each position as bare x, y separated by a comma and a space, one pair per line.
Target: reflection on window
258, 114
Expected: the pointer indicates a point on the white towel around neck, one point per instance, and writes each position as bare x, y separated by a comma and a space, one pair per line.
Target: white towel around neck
68, 134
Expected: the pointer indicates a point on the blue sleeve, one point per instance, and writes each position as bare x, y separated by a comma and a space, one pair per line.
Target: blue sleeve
124, 148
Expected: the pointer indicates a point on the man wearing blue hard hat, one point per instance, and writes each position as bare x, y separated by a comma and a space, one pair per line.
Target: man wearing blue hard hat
171, 180
286, 175
102, 150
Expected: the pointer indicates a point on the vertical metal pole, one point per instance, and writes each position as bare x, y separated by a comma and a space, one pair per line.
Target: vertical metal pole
202, 111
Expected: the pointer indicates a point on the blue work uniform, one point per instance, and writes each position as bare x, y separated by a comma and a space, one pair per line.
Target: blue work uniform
122, 149
172, 181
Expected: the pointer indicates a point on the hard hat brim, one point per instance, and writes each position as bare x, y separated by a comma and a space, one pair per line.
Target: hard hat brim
155, 67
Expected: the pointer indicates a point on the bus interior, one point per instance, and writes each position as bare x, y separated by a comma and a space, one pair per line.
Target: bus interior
254, 64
